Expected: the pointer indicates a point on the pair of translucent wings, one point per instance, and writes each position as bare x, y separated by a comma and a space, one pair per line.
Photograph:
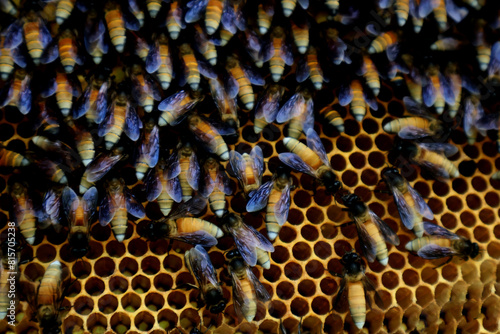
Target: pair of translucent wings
260, 197
201, 267
247, 239
70, 202
220, 182
240, 296
23, 98
268, 105
433, 251
112, 202
133, 123
238, 165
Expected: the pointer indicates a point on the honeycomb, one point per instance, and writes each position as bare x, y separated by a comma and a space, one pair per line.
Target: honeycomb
132, 286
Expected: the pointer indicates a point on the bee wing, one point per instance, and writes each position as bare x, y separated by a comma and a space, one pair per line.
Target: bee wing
433, 229
25, 96
487, 122
405, 211
193, 174
133, 207
289, 109
456, 13
429, 93
247, 239
283, 206
173, 188
389, 235
315, 144
45, 37
101, 103
442, 148
152, 148
422, 207
153, 59
70, 203
304, 4
190, 208
237, 164
345, 95
206, 69
172, 102
267, 50
6, 94
303, 71
257, 161
392, 51
19, 57
131, 22
292, 160
152, 185
426, 7
366, 242
286, 53
51, 204
228, 18
133, 124
200, 237
13, 35
368, 285
438, 171
447, 89
260, 196
260, 290
100, 166
173, 168
89, 203
253, 76
108, 121
107, 210
239, 296
208, 185
50, 54
83, 104
412, 132
340, 292
432, 251
201, 266
370, 100
222, 182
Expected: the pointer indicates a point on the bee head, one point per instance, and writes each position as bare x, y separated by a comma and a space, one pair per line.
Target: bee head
474, 249
388, 171
232, 254
79, 245
331, 183
219, 307
350, 200
230, 219
352, 262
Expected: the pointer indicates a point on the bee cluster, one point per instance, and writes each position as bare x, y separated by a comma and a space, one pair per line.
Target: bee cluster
141, 139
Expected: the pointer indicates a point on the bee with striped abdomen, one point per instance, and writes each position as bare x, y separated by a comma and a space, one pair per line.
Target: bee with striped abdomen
309, 67
9, 57
79, 212
148, 149
154, 7
52, 170
267, 107
370, 73
437, 89
179, 225
51, 205
333, 118
8, 7
473, 112
66, 49
289, 6
357, 284
275, 195
94, 101
83, 140
246, 238
144, 88
209, 136
311, 159
116, 204
159, 61
440, 243
411, 206
300, 32
10, 158
299, 111
65, 88
247, 289
386, 41
190, 169
175, 106
226, 105
240, 81
198, 262
63, 9
359, 100
120, 117
17, 92
204, 46
94, 36
117, 20
99, 167
265, 13
192, 68
278, 53
373, 232
215, 186
175, 22
248, 169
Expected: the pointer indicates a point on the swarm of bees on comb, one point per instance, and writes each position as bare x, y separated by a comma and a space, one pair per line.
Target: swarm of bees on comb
232, 166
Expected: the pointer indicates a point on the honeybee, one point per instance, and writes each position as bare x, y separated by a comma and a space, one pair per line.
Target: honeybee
159, 61
247, 239
225, 104
192, 68
53, 170
473, 113
437, 89
446, 44
386, 41
198, 262
216, 186
65, 89
299, 110
415, 127
116, 204
457, 82
12, 159
63, 9
189, 169
51, 204
154, 7
93, 103
99, 167
49, 297
9, 57
358, 98
179, 226
411, 206
66, 49
309, 67
333, 117
141, 48
136, 11
278, 53
209, 136
370, 73
163, 184
175, 23
274, 194
117, 20
300, 32
311, 159
94, 36
254, 47
24, 213
248, 169
429, 155
337, 49
353, 277
36, 35
18, 92
402, 9
79, 213
442, 243
148, 150
204, 46
247, 289
144, 89
483, 49
373, 232
240, 81
62, 151
222, 37
213, 13
177, 105
120, 117
267, 107
265, 13
289, 6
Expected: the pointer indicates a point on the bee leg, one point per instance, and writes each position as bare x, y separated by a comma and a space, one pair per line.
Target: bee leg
347, 224
445, 262
185, 286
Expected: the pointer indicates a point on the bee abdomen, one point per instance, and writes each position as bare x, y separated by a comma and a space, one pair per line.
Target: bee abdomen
398, 124
357, 303
165, 202
308, 155
217, 202
273, 228
119, 224
189, 225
